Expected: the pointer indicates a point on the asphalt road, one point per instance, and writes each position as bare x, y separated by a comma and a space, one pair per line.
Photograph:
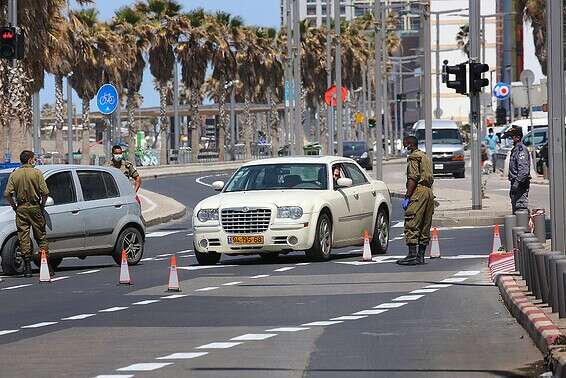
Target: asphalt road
246, 318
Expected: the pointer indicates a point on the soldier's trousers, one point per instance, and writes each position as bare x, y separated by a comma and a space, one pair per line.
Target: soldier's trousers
520, 198
418, 217
30, 218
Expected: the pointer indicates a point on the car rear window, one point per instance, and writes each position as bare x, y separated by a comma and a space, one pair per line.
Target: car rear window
97, 185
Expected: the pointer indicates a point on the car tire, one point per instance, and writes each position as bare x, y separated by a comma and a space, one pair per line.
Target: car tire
130, 240
12, 262
322, 246
380, 241
460, 175
207, 258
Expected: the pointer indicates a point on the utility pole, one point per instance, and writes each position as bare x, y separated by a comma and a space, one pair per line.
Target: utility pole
233, 122
299, 139
70, 120
339, 99
385, 82
378, 166
428, 80
290, 79
475, 109
555, 43
437, 111
176, 130
329, 125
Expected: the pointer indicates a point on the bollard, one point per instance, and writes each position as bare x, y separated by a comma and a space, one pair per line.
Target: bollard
531, 247
560, 270
539, 222
509, 222
553, 280
522, 218
524, 239
517, 231
541, 274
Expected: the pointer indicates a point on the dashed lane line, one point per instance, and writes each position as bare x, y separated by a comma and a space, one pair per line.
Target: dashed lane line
234, 283
39, 325
455, 279
370, 312
175, 296
146, 302
390, 305
182, 356
219, 345
350, 317
113, 309
288, 329
210, 288
404, 298
151, 366
260, 276
115, 376
8, 331
437, 286
15, 287
423, 291
160, 234
59, 278
322, 323
284, 269
79, 317
254, 337
467, 273
88, 272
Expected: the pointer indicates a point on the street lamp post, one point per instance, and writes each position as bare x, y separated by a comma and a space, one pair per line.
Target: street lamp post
70, 119
329, 127
378, 166
339, 99
427, 80
475, 108
299, 130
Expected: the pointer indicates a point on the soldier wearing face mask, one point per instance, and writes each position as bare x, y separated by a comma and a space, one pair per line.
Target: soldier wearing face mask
125, 166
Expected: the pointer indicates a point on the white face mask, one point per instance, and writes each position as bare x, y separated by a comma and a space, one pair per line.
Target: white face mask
117, 157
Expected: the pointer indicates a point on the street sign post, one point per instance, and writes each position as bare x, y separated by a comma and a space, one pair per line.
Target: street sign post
501, 91
107, 99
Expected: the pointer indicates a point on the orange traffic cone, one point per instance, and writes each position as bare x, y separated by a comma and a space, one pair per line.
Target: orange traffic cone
173, 277
124, 270
366, 256
435, 246
44, 275
496, 239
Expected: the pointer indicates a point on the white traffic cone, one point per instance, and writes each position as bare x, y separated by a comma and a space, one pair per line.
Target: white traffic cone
366, 256
496, 246
124, 270
173, 277
44, 275
435, 245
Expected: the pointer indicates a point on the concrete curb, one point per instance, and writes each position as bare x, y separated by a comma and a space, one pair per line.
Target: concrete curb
547, 336
162, 209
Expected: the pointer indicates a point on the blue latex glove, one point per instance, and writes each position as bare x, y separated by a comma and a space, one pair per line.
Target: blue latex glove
406, 202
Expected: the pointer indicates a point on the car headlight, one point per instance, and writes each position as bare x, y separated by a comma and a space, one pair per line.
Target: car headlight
292, 212
364, 155
206, 215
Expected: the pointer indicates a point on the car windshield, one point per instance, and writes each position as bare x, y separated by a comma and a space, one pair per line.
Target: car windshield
441, 136
279, 176
3, 182
355, 148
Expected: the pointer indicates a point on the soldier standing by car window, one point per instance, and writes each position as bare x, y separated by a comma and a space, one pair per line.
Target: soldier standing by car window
418, 203
30, 190
519, 171
125, 166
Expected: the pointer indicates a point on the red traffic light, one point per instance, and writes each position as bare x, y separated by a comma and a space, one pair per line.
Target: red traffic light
7, 35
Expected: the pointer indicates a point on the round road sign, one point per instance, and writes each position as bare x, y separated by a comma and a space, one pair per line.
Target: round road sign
501, 91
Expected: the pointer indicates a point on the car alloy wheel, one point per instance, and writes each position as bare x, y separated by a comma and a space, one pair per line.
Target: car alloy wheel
382, 229
325, 236
132, 245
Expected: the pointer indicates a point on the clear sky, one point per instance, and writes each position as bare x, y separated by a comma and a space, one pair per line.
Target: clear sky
254, 12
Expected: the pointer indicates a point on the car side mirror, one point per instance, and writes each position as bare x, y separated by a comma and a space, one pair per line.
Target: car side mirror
49, 202
344, 182
218, 185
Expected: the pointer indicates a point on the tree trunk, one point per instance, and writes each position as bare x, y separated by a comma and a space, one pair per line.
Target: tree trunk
274, 122
195, 125
164, 129
323, 114
131, 105
59, 115
222, 127
85, 153
248, 127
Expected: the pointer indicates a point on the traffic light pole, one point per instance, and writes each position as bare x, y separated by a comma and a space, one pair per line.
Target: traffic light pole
428, 81
475, 110
339, 99
378, 166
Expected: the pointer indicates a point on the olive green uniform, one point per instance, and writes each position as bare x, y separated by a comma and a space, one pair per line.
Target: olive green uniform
28, 186
126, 167
418, 216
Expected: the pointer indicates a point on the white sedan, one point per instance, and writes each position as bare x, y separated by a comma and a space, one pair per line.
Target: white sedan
290, 204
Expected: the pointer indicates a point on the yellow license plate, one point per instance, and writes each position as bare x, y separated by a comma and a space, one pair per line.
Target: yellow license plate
245, 240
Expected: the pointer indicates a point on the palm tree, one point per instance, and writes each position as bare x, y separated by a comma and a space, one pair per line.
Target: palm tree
535, 11
463, 39
162, 30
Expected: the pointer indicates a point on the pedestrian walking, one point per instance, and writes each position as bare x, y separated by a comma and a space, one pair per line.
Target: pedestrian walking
125, 166
27, 193
519, 171
418, 203
492, 142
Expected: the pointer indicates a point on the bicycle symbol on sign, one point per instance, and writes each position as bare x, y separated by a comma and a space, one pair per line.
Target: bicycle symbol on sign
107, 98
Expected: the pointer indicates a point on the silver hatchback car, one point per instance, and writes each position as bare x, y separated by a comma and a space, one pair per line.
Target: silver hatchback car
90, 211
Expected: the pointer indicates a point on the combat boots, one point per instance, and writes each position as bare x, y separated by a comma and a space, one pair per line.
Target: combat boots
411, 258
27, 269
421, 255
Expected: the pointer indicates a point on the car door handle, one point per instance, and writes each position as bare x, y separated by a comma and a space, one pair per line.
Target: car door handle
357, 196
75, 211
118, 206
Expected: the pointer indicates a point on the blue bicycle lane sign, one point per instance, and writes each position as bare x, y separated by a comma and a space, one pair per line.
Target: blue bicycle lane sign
107, 99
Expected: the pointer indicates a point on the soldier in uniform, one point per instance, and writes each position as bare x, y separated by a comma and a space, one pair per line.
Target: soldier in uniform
519, 171
125, 166
418, 203
28, 187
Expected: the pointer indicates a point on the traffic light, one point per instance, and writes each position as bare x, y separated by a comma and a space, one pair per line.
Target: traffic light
460, 71
500, 116
371, 123
11, 43
476, 80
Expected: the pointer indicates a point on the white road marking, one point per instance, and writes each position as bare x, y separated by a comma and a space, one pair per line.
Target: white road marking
467, 273
288, 329
455, 279
408, 298
185, 251
322, 323
219, 345
465, 257
150, 366
113, 309
89, 272
115, 376
147, 259
203, 267
349, 317
284, 269
183, 356
391, 305
200, 179
175, 296
400, 224
146, 302
39, 325
186, 256
165, 255
8, 331
207, 288
160, 259
254, 337
437, 286
260, 276
423, 291
159, 234
232, 283
79, 317
16, 287
302, 264
59, 278
369, 312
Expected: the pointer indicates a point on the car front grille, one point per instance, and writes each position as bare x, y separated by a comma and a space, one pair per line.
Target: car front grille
245, 220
